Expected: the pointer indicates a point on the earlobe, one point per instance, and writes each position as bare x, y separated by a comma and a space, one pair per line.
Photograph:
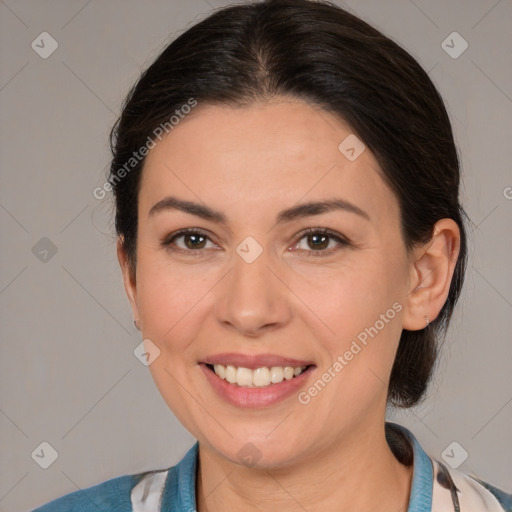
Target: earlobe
432, 268
128, 278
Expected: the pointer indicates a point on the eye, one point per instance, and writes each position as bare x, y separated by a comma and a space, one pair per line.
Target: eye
319, 240
193, 240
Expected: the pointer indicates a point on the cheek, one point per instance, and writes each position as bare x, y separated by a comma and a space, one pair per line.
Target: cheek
360, 304
172, 305
336, 302
166, 298
350, 297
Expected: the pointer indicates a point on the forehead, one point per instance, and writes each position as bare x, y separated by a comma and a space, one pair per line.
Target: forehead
272, 153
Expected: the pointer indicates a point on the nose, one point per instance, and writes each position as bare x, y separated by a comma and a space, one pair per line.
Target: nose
253, 299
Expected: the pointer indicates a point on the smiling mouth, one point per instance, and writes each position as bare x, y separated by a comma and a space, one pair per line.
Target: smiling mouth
258, 378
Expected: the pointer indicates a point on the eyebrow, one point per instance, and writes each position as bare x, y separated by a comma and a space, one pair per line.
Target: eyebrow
295, 212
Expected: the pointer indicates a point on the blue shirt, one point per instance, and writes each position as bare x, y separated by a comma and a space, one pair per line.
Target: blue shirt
435, 488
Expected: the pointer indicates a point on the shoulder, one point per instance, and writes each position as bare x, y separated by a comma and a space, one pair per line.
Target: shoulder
437, 487
114, 495
162, 489
465, 492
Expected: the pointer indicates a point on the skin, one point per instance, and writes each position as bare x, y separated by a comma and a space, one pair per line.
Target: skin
250, 163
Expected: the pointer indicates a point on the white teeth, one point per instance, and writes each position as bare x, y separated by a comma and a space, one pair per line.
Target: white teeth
220, 370
231, 374
288, 372
244, 377
260, 377
276, 374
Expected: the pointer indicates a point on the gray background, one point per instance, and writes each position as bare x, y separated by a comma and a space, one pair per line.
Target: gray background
68, 375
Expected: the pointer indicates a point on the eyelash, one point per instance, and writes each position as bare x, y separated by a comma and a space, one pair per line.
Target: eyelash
342, 241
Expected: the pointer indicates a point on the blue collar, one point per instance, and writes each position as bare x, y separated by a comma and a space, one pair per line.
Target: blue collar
180, 488
422, 477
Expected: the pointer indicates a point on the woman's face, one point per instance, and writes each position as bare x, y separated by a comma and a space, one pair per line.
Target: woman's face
255, 284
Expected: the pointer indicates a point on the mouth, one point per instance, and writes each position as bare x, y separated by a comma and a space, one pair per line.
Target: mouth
256, 381
261, 377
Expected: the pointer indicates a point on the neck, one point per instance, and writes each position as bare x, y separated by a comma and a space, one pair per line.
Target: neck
358, 472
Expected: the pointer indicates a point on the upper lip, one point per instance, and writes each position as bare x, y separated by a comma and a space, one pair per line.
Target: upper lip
255, 361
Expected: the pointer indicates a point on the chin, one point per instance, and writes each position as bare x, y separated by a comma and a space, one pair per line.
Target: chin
259, 451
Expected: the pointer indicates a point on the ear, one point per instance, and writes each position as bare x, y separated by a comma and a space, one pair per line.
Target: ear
432, 267
128, 278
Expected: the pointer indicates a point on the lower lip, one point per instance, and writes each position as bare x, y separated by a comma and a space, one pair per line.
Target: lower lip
255, 397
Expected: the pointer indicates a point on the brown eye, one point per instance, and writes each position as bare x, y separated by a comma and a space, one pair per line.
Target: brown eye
320, 241
194, 241
190, 240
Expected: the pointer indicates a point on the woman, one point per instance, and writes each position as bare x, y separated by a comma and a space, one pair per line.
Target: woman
292, 247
